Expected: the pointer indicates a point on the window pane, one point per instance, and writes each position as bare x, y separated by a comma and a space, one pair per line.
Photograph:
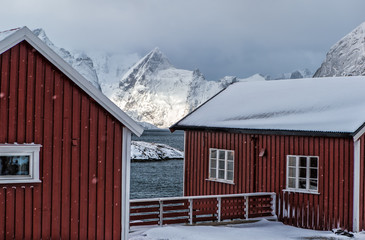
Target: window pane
313, 173
230, 175
291, 183
229, 166
292, 161
213, 173
14, 165
313, 184
302, 162
230, 155
314, 162
302, 183
222, 155
221, 164
221, 174
213, 163
302, 172
213, 153
292, 172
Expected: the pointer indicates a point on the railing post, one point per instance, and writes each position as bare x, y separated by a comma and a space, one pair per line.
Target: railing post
246, 207
219, 208
191, 211
161, 213
273, 204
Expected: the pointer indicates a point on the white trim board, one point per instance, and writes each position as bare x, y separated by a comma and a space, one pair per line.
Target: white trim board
25, 34
356, 193
126, 164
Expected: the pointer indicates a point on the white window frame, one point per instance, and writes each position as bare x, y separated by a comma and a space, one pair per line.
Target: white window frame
216, 178
31, 150
308, 167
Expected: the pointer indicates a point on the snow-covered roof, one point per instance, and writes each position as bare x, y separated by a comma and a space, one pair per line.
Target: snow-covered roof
10, 38
334, 105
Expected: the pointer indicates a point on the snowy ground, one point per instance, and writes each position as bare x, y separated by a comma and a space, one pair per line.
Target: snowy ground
261, 230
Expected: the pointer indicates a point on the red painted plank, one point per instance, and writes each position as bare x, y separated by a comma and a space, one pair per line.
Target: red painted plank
75, 164
28, 212
4, 93
2, 213
13, 94
117, 148
84, 166
47, 153
19, 212
30, 100
100, 208
109, 184
93, 171
57, 99
10, 213
66, 161
22, 101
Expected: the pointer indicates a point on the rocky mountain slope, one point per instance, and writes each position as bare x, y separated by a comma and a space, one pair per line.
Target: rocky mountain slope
346, 57
80, 61
154, 91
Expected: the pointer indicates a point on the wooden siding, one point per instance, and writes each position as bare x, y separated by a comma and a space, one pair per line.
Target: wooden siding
362, 184
80, 193
331, 208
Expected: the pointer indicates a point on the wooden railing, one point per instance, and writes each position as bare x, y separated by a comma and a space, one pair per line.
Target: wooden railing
198, 209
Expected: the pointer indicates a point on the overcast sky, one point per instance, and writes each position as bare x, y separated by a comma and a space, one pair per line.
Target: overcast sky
220, 37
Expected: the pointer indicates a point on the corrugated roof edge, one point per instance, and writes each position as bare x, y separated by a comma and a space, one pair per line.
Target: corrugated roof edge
268, 131
25, 34
176, 125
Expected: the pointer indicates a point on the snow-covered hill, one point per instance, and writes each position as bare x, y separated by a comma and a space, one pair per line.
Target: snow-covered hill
346, 57
144, 151
154, 91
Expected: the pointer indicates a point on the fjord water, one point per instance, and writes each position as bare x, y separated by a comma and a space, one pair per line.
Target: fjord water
152, 179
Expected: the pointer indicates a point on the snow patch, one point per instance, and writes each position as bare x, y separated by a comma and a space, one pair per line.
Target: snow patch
144, 151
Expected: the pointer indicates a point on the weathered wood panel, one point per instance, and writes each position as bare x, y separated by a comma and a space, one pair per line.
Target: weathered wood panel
330, 208
80, 158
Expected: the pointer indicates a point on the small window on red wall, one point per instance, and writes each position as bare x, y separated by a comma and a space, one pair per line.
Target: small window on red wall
302, 173
19, 163
221, 165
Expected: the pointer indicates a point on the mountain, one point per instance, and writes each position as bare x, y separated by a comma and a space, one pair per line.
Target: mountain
346, 57
304, 73
154, 91
80, 61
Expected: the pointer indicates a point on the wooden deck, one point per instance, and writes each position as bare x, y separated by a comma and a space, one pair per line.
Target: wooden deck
200, 209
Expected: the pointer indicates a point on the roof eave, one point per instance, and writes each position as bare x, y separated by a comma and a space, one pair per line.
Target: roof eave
27, 35
265, 131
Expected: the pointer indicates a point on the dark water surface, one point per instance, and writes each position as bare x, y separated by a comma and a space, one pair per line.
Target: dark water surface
158, 178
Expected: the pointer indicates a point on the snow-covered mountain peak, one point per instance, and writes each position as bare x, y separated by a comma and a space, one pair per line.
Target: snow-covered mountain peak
40, 33
153, 61
80, 61
346, 57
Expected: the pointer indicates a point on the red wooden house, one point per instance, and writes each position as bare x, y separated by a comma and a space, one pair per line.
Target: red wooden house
302, 139
64, 148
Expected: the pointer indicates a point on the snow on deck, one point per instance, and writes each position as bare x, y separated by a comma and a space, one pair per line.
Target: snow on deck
262, 230
335, 104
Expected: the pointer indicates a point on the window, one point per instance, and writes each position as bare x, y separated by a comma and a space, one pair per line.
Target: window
221, 164
302, 173
19, 163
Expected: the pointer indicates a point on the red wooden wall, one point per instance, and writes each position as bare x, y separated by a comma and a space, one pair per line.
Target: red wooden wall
80, 161
362, 184
331, 208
